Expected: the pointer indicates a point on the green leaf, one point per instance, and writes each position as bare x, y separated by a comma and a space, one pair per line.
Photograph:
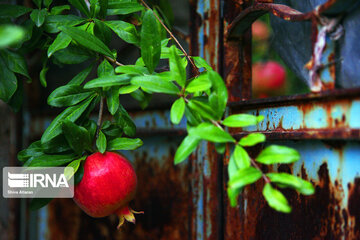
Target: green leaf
71, 113
233, 194
124, 144
15, 62
38, 16
232, 167
199, 84
201, 63
8, 82
123, 119
108, 81
52, 22
142, 97
103, 8
72, 55
87, 40
80, 77
241, 157
128, 89
203, 109
77, 137
304, 187
47, 3
112, 99
34, 150
59, 9
219, 87
150, 43
192, 117
43, 72
10, 34
123, 7
220, 148
103, 32
81, 5
187, 146
56, 145
244, 177
125, 31
13, 11
155, 84
278, 154
91, 126
68, 95
46, 160
242, 120
37, 203
252, 139
211, 133
132, 69
113, 131
177, 111
105, 69
276, 199
72, 167
37, 3
101, 142
17, 98
176, 66
61, 41
79, 174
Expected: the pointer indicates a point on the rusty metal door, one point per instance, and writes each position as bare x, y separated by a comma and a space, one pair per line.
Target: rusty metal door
189, 201
322, 126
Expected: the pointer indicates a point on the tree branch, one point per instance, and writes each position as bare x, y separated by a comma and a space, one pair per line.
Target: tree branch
114, 61
266, 179
174, 38
99, 122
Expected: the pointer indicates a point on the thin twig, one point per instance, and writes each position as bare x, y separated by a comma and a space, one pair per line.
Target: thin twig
114, 61
217, 124
99, 122
174, 38
267, 180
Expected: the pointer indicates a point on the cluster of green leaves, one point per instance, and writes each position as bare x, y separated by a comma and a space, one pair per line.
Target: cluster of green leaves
202, 99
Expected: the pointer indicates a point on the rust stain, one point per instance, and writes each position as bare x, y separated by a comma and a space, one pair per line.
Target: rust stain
237, 56
331, 61
164, 197
320, 216
354, 206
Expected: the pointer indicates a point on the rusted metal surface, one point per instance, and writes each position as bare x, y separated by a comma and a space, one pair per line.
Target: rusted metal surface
259, 8
163, 193
325, 118
206, 169
237, 56
331, 213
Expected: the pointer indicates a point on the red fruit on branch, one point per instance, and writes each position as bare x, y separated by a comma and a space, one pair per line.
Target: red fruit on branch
268, 78
260, 31
108, 185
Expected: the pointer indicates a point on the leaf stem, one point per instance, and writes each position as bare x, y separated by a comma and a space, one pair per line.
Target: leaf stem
114, 61
217, 124
266, 179
99, 122
174, 38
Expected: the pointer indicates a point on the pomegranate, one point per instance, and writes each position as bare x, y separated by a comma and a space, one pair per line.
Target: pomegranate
108, 185
268, 78
260, 31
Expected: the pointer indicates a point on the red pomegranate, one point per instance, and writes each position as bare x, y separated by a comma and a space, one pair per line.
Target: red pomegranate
268, 78
107, 187
260, 31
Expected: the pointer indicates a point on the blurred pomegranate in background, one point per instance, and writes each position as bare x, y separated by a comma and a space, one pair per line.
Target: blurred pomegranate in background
268, 79
260, 31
